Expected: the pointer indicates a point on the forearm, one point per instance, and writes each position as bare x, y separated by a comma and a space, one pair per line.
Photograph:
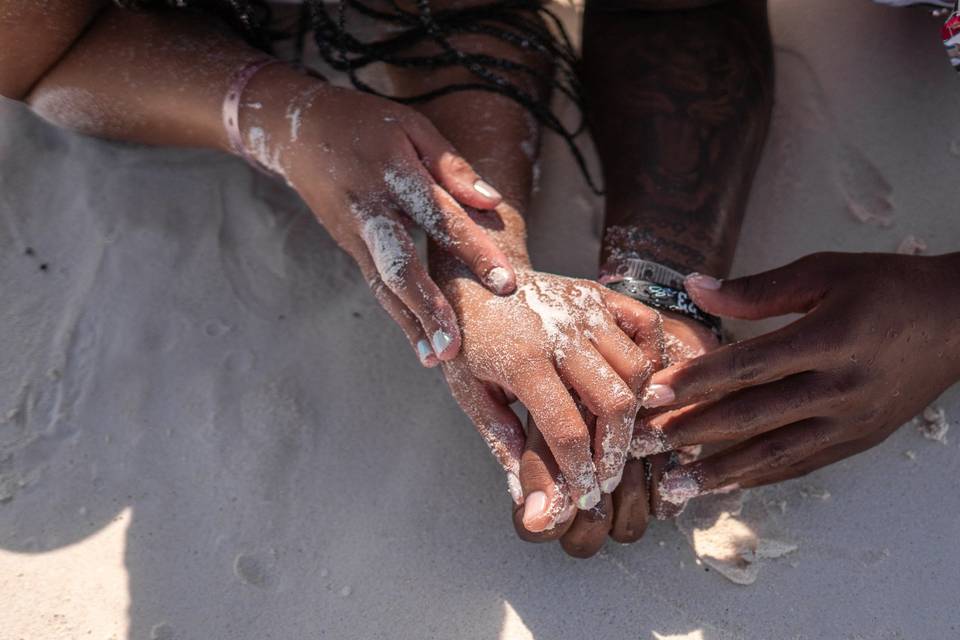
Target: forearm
494, 133
35, 35
151, 77
680, 103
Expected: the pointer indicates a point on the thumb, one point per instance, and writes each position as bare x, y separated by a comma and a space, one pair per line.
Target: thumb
546, 502
794, 288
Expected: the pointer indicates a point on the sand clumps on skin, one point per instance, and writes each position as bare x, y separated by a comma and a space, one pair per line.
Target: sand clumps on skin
933, 424
733, 533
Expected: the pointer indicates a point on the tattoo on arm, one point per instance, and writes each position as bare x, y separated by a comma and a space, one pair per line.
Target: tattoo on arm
679, 104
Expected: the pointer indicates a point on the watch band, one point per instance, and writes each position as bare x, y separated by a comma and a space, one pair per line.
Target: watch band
639, 269
667, 298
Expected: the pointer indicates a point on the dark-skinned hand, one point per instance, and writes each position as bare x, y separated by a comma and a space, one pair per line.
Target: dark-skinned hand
878, 341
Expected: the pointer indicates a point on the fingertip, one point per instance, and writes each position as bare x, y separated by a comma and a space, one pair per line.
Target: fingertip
426, 355
702, 282
445, 343
590, 499
501, 280
490, 195
610, 484
657, 394
705, 291
536, 512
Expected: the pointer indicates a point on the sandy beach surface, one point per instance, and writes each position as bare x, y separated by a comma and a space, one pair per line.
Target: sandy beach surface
209, 430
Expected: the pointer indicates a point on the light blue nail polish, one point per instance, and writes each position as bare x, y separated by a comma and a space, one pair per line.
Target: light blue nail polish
441, 340
424, 350
589, 500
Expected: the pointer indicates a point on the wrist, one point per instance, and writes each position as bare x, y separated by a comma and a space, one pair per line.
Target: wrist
623, 244
268, 116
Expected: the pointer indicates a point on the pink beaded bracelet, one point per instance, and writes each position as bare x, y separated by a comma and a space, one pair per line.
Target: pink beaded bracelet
231, 107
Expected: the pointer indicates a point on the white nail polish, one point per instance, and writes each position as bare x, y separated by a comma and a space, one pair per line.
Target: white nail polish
513, 486
441, 340
497, 279
657, 395
485, 189
589, 500
536, 507
701, 281
424, 350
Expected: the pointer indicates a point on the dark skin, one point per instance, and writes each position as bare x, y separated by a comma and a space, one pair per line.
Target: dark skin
695, 81
832, 384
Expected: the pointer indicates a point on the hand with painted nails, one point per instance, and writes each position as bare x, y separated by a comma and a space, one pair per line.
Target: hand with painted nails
548, 514
553, 341
880, 339
369, 169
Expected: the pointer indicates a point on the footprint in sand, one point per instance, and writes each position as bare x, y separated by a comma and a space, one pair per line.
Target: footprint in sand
866, 191
864, 187
249, 570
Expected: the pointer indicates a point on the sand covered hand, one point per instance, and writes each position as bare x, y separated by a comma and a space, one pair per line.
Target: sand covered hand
369, 169
880, 339
553, 341
622, 515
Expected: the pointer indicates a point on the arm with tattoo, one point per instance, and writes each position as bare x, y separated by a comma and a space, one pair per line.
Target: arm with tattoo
679, 105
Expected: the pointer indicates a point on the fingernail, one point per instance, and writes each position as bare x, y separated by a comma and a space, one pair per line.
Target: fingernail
701, 281
535, 508
486, 190
657, 395
612, 482
425, 352
498, 279
590, 499
441, 340
513, 486
678, 486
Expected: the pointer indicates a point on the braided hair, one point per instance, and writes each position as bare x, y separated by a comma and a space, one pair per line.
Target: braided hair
525, 25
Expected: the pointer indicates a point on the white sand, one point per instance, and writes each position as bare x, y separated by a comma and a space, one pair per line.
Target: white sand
200, 361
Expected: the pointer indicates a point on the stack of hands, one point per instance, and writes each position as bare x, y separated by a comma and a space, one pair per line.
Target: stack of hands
623, 400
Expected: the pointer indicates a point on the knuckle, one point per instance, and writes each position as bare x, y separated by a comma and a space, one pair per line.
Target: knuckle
620, 402
746, 364
868, 417
820, 435
570, 442
842, 389
776, 454
742, 416
455, 164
